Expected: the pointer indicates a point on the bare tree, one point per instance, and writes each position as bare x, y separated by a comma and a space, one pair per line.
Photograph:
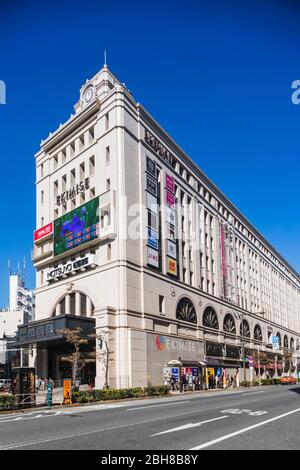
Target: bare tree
104, 353
77, 358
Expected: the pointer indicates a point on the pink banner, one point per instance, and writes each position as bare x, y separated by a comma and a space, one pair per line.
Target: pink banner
170, 199
170, 183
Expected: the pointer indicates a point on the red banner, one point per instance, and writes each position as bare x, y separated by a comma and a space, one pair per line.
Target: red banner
42, 232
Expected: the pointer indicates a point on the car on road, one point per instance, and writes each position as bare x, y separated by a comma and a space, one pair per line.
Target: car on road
288, 381
5, 385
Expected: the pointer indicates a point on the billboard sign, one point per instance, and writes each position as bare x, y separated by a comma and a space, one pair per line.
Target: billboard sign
77, 227
151, 166
43, 232
275, 342
153, 258
170, 183
170, 199
152, 203
151, 185
152, 238
171, 251
170, 216
172, 266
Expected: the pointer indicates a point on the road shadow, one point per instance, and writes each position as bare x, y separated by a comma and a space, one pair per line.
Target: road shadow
293, 388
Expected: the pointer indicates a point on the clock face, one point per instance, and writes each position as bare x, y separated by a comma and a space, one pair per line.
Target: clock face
89, 95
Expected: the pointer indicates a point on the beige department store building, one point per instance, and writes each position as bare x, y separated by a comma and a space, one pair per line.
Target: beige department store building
133, 238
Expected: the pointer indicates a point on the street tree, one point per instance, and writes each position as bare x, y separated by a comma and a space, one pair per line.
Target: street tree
77, 358
104, 353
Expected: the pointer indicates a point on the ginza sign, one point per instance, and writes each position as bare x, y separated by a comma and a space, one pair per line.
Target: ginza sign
70, 267
72, 193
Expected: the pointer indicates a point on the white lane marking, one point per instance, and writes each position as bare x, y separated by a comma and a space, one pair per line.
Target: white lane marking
188, 426
237, 411
155, 406
241, 431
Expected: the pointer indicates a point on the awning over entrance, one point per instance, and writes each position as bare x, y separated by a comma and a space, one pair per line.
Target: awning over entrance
48, 330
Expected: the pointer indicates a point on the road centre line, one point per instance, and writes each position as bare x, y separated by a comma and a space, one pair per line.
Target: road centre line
241, 431
188, 426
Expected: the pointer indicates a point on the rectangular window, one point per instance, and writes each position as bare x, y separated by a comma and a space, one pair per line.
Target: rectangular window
42, 170
42, 197
107, 155
109, 252
106, 121
92, 165
108, 184
161, 301
42, 221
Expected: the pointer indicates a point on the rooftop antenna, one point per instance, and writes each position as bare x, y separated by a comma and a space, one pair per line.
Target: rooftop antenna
105, 64
24, 269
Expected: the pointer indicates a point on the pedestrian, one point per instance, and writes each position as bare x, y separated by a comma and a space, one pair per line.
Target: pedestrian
45, 383
38, 383
51, 382
172, 382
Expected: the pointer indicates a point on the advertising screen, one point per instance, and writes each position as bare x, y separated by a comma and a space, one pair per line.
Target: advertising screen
76, 227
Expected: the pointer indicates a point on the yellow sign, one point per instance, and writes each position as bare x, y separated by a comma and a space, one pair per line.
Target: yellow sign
210, 371
172, 267
67, 392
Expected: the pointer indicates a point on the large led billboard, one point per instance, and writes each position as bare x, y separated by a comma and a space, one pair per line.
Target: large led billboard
77, 227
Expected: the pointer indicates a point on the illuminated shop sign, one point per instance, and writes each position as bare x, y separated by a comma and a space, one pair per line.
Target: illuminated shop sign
171, 249
152, 238
153, 258
151, 166
164, 343
170, 216
171, 232
72, 266
151, 185
152, 203
43, 232
172, 266
170, 199
170, 183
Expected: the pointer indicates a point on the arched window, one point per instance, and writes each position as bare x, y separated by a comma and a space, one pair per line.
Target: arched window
279, 338
245, 329
210, 318
229, 324
74, 303
186, 311
285, 341
257, 333
292, 343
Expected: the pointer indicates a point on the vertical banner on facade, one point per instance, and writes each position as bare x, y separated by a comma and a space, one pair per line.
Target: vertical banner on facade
170, 217
170, 184
152, 205
223, 260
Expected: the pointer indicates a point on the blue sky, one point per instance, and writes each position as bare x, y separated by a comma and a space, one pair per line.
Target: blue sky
217, 77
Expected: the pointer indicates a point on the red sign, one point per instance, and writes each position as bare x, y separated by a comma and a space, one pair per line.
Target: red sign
170, 199
42, 232
170, 183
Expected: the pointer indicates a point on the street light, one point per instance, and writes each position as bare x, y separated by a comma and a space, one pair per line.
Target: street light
240, 316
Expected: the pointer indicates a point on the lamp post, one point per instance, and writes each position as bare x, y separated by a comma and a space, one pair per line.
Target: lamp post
240, 316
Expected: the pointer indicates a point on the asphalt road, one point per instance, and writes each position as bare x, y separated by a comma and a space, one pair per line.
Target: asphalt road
260, 418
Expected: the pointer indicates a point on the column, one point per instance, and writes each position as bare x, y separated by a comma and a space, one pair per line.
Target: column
77, 304
68, 305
